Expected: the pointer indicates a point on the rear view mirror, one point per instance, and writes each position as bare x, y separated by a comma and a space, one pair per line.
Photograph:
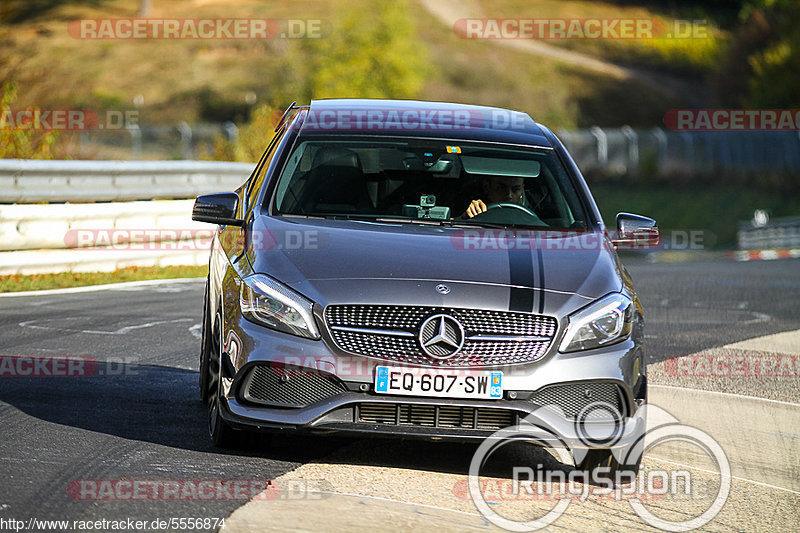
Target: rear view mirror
441, 166
635, 232
218, 208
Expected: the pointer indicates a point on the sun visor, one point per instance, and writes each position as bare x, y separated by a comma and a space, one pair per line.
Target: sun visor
523, 168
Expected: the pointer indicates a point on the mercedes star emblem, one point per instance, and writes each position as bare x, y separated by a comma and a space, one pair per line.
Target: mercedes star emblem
441, 336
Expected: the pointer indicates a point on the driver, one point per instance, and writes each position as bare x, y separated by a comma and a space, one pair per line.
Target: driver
498, 189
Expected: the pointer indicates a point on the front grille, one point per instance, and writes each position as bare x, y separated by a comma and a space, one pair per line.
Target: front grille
279, 387
434, 416
573, 398
392, 333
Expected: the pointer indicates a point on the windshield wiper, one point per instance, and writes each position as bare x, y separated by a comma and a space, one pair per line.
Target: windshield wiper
454, 223
348, 217
423, 221
490, 225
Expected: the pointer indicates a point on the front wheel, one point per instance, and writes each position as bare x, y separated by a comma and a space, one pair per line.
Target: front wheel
206, 349
611, 469
222, 435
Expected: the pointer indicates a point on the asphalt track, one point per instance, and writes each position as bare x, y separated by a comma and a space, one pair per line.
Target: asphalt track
136, 416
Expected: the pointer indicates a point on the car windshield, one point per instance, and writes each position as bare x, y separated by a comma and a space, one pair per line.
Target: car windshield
424, 180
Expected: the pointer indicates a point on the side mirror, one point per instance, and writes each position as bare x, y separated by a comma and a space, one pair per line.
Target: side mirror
218, 208
635, 232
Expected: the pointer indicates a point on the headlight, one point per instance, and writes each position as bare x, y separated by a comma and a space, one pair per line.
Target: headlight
606, 321
269, 303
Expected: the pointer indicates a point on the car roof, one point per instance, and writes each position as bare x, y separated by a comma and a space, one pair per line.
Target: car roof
414, 118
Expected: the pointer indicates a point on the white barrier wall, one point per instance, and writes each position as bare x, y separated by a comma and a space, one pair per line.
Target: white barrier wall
30, 181
36, 226
29, 262
39, 238
87, 237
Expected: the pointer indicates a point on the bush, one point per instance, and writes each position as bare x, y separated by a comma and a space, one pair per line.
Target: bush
251, 141
22, 143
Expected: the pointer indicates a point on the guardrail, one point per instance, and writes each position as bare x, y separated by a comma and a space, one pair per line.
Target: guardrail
644, 152
769, 234
32, 181
613, 151
70, 234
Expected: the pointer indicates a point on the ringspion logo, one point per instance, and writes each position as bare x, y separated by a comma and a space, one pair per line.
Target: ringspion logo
627, 444
535, 485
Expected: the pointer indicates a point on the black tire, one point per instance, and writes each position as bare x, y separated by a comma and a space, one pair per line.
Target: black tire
604, 458
222, 435
206, 347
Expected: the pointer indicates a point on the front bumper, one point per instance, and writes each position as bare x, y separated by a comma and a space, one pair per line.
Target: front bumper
621, 365
344, 415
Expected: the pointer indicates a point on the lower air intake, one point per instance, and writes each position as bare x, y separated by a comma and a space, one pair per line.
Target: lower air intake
278, 387
435, 416
589, 400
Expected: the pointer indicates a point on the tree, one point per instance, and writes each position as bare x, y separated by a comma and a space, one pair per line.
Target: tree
775, 81
762, 66
367, 55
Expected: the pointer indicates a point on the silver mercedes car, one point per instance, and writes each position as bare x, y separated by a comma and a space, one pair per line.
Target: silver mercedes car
419, 270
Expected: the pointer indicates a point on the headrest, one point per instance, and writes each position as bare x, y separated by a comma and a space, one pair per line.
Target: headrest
336, 157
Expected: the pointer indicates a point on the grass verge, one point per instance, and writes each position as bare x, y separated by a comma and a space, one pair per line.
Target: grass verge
674, 46
17, 283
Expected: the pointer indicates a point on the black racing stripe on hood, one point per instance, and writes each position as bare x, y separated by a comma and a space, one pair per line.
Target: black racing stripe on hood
540, 258
520, 265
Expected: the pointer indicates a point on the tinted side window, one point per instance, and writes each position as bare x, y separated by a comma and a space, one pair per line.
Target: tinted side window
257, 180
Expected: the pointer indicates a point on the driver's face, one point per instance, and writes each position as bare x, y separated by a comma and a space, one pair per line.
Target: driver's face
499, 189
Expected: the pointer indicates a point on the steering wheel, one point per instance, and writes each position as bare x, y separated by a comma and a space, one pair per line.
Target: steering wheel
519, 218
501, 205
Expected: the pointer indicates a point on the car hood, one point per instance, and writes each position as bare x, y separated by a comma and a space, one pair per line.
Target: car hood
338, 261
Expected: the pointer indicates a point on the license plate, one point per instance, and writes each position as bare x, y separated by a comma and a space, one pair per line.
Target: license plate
439, 383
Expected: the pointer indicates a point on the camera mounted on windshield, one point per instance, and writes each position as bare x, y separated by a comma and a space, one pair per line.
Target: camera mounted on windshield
427, 208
